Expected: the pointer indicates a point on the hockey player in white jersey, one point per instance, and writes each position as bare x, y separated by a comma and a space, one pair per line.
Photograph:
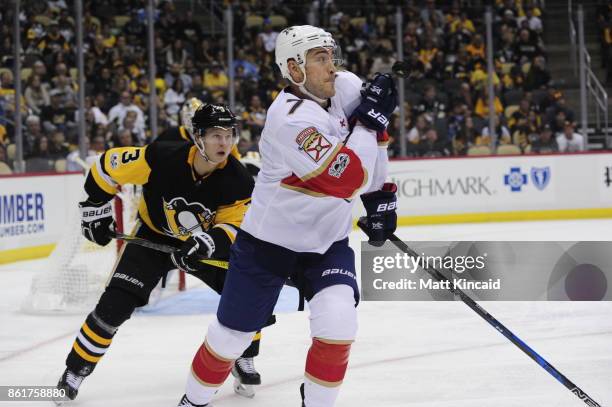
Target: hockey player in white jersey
320, 149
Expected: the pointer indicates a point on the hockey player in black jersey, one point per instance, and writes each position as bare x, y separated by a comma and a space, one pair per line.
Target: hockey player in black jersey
195, 196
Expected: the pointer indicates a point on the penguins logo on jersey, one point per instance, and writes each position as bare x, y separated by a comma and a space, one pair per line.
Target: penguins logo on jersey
183, 218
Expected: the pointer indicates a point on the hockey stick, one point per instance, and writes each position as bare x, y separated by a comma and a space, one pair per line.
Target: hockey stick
499, 327
165, 248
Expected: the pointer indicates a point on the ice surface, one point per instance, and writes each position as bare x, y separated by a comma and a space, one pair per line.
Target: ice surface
423, 354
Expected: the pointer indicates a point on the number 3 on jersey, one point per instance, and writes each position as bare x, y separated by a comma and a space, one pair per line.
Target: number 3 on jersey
128, 156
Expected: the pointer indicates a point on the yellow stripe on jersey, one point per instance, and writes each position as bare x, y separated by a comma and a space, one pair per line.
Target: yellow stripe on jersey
85, 355
97, 338
127, 165
229, 230
101, 180
232, 214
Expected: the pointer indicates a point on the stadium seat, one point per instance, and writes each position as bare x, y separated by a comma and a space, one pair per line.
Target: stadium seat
11, 152
60, 165
5, 169
120, 21
479, 150
254, 21
508, 149
278, 21
26, 73
358, 22
42, 19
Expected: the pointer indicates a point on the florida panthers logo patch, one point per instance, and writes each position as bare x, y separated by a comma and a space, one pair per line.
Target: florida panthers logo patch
313, 143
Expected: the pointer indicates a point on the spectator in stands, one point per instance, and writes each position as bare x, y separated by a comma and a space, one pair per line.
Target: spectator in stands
538, 76
266, 40
41, 149
40, 69
545, 142
534, 23
476, 48
129, 123
383, 62
118, 112
124, 138
431, 104
526, 47
432, 146
37, 94
431, 13
173, 100
570, 141
417, 133
55, 116
52, 42
176, 54
465, 138
176, 72
58, 148
216, 81
254, 117
502, 133
32, 132
482, 104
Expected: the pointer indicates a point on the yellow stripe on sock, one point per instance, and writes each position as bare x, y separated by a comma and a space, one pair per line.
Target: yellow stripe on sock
257, 336
96, 337
84, 355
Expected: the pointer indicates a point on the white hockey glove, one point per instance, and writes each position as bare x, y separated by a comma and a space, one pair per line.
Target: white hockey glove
198, 246
97, 221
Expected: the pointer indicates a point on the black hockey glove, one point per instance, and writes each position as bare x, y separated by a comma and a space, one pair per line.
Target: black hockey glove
97, 221
198, 246
378, 101
381, 220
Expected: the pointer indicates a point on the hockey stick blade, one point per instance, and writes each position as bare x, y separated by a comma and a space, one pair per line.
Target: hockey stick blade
467, 300
164, 248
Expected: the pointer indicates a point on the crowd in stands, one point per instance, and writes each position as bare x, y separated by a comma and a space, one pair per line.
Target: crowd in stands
446, 111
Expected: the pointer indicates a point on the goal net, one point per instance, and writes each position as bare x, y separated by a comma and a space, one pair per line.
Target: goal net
76, 272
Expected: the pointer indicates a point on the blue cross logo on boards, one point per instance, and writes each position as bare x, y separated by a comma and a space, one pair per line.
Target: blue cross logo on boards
515, 179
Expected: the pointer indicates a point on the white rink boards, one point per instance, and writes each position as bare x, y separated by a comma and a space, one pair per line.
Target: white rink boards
407, 353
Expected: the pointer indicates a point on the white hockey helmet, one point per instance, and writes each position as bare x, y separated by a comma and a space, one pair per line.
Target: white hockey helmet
294, 42
187, 111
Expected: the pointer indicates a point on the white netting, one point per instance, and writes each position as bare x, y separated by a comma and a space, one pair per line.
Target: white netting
76, 273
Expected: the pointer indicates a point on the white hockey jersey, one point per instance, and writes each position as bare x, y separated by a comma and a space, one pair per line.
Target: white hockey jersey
309, 179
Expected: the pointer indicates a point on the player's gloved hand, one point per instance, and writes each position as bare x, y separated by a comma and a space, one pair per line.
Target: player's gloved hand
381, 220
96, 221
378, 101
199, 245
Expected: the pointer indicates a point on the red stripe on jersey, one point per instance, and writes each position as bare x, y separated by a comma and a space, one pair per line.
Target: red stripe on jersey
341, 177
208, 368
327, 362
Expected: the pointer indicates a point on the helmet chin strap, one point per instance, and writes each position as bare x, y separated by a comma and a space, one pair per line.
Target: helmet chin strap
302, 87
199, 143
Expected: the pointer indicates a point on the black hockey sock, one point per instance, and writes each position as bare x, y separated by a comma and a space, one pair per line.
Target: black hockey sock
114, 308
253, 349
91, 343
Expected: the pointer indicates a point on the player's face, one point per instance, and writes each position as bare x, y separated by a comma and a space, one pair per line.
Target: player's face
218, 143
320, 73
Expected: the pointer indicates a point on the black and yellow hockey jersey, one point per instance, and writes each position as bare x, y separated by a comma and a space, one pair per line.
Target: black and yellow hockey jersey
174, 134
175, 202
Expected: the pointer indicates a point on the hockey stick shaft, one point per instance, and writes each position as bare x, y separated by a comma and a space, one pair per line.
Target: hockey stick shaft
501, 328
165, 248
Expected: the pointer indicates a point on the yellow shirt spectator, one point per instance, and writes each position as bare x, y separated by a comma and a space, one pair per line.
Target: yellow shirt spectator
216, 81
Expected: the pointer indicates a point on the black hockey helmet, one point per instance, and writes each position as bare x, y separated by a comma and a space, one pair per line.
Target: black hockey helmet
209, 115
